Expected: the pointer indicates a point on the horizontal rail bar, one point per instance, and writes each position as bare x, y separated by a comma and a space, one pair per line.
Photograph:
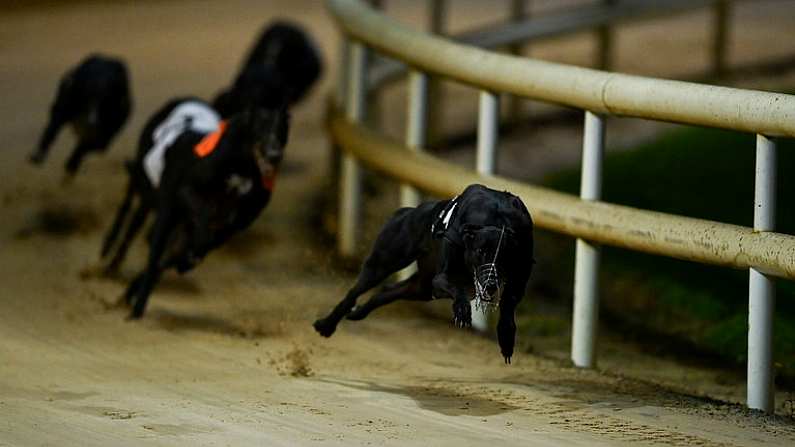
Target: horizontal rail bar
765, 113
616, 225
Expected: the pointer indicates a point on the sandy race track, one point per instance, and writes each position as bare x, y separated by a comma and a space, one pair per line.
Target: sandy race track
226, 355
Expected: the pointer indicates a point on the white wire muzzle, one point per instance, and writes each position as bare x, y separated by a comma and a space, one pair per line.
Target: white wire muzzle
488, 285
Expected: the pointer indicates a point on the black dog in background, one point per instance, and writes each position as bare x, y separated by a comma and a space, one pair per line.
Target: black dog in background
479, 244
204, 185
94, 98
283, 65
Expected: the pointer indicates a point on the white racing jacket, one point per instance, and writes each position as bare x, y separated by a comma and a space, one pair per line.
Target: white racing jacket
195, 116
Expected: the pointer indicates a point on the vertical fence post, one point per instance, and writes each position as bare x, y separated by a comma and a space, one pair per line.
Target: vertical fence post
488, 128
437, 15
436, 25
720, 36
416, 128
373, 95
586, 269
416, 132
605, 43
761, 288
350, 206
344, 65
488, 122
340, 96
519, 12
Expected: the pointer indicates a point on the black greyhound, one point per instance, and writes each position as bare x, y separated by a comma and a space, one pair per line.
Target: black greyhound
209, 185
255, 86
94, 98
284, 62
478, 245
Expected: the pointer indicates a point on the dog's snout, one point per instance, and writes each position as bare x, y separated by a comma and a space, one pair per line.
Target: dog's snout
491, 288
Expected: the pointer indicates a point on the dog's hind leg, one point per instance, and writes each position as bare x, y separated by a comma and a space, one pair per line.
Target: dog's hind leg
396, 247
74, 161
118, 221
132, 289
371, 275
60, 113
137, 221
163, 228
54, 125
408, 289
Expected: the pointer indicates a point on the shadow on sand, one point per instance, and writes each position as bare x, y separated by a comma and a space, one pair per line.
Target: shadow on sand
249, 328
61, 221
170, 282
443, 399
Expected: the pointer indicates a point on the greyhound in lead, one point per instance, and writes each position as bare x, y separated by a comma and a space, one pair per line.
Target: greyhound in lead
478, 245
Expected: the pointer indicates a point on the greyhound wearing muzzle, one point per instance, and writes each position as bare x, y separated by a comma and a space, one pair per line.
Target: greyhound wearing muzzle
487, 282
479, 249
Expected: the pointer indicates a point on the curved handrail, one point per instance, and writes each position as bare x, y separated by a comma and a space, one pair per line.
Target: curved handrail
771, 114
621, 226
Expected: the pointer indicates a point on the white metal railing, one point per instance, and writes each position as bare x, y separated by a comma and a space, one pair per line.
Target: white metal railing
763, 252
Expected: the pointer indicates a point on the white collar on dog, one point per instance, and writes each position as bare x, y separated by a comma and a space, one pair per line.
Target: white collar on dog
446, 215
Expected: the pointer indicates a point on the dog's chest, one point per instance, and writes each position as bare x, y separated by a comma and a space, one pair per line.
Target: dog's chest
462, 282
430, 259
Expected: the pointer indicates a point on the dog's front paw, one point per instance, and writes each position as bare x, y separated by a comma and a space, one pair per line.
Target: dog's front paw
462, 323
506, 349
187, 263
135, 314
324, 328
462, 314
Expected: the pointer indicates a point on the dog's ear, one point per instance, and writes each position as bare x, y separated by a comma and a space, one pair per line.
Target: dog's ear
517, 203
